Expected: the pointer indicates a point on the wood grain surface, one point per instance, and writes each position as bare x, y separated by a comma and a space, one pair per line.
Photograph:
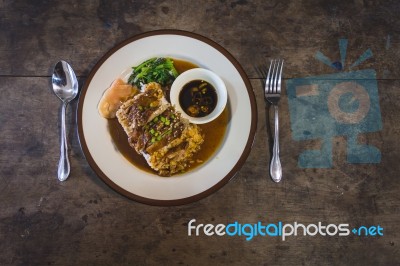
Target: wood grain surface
84, 222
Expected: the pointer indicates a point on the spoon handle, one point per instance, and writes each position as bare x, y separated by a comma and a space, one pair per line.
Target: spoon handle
63, 164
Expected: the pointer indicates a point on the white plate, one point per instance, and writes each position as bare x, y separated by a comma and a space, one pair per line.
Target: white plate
111, 166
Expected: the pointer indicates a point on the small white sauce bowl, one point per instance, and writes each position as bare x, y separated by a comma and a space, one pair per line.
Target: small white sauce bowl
199, 74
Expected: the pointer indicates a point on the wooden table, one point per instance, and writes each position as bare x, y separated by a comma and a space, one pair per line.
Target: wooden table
84, 222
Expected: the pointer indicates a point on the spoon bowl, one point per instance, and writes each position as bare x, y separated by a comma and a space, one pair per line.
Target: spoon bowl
65, 86
65, 83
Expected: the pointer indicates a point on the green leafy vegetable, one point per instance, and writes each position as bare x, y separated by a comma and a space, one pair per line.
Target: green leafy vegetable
158, 69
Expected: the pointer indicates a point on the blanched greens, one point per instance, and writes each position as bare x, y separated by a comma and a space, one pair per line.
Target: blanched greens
158, 69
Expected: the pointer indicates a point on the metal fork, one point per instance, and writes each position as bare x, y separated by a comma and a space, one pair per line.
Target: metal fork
272, 94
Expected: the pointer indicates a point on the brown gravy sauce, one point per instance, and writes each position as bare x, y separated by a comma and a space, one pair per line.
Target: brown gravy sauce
214, 133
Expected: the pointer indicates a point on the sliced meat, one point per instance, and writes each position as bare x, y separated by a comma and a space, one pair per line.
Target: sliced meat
158, 132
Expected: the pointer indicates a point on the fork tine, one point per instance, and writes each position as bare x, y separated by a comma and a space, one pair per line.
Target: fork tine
268, 79
274, 76
278, 87
273, 79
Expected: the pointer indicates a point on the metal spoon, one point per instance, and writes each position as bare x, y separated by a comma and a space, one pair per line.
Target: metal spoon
65, 86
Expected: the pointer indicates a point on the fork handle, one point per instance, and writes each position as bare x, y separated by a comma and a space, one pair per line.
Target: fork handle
275, 168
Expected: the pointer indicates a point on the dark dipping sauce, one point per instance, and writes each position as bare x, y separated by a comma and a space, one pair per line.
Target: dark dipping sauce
198, 98
213, 131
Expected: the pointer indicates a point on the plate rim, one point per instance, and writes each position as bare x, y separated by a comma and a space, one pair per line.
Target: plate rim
182, 201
